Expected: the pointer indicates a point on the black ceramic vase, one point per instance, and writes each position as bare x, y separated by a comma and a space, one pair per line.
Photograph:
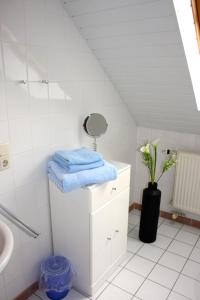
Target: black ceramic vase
150, 213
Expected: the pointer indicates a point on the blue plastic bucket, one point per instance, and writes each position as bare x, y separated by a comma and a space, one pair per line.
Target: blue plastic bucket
56, 277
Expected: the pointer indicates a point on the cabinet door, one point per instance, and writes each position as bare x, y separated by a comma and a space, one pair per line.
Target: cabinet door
120, 223
101, 242
109, 234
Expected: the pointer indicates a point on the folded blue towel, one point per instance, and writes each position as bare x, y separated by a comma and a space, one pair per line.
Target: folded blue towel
68, 182
72, 168
82, 156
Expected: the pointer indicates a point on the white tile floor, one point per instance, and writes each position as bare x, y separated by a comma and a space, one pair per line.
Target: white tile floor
167, 269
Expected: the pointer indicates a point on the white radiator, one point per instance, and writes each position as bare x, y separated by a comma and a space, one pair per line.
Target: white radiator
187, 183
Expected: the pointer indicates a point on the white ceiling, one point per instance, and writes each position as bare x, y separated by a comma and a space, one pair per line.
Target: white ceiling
139, 45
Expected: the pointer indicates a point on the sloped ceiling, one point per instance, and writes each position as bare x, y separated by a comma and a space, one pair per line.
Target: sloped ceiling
139, 45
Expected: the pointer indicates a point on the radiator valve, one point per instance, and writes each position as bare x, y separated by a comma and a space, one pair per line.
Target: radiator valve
174, 216
177, 214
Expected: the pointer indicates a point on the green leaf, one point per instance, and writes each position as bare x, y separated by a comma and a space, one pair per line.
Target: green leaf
148, 153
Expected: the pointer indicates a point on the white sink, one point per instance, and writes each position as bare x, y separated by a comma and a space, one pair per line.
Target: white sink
6, 245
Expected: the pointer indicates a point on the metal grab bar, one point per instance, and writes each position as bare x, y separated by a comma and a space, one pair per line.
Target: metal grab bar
11, 217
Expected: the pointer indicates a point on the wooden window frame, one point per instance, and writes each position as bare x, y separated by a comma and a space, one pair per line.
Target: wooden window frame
196, 14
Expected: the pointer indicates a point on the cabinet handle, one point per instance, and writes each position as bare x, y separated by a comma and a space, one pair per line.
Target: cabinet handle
109, 238
117, 231
114, 188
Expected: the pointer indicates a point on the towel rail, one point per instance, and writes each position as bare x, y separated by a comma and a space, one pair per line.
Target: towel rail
20, 224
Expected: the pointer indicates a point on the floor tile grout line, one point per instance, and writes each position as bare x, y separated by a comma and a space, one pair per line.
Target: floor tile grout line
170, 237
131, 294
95, 298
111, 282
124, 267
145, 278
180, 273
157, 263
37, 296
165, 220
178, 294
173, 238
178, 254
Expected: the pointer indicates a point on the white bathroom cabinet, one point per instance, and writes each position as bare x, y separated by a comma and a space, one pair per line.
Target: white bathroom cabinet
90, 228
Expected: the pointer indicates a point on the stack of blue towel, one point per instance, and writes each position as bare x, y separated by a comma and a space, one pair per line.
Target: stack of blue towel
73, 169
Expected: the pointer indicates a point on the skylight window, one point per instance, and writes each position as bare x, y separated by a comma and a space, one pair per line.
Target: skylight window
188, 21
196, 14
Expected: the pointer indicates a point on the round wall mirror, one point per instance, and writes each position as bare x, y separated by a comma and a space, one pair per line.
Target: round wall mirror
95, 125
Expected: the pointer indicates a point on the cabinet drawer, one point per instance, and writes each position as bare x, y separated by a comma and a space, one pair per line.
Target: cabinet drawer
104, 192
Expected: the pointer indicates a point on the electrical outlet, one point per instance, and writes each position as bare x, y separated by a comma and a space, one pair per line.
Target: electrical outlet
4, 157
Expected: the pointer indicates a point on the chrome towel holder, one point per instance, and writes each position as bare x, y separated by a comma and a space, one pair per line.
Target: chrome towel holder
16, 221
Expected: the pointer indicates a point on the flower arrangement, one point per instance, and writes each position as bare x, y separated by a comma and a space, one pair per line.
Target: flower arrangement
149, 158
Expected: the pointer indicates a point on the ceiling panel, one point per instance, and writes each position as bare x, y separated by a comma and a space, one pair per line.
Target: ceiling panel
79, 7
131, 28
139, 46
139, 11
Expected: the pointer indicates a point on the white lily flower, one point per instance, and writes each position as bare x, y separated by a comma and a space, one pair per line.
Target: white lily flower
145, 148
142, 149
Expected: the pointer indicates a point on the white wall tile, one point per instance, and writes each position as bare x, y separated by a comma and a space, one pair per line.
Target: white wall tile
55, 33
39, 101
26, 205
41, 132
13, 21
3, 111
35, 22
68, 65
54, 7
75, 38
15, 287
23, 168
15, 61
4, 135
7, 199
17, 100
20, 135
13, 268
6, 178
1, 64
37, 63
2, 287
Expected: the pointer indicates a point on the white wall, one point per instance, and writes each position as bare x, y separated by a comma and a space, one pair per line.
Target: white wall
168, 140
38, 41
